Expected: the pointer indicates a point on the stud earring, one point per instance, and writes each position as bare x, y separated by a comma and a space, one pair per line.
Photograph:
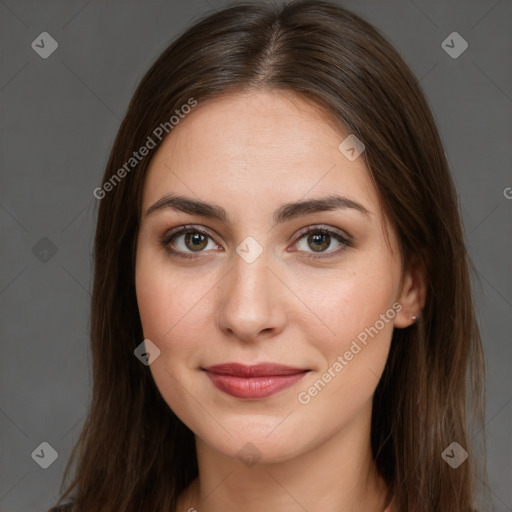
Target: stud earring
414, 318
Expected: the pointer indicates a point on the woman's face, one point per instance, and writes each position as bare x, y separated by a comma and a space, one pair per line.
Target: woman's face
247, 285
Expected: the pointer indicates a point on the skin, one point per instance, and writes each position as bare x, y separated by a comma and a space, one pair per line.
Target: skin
250, 153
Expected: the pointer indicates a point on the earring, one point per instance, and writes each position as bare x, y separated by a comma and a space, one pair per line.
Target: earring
414, 318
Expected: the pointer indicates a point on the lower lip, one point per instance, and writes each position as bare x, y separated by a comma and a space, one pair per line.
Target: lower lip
253, 387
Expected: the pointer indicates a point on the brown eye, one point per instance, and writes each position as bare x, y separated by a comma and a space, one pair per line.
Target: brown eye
319, 240
195, 241
187, 240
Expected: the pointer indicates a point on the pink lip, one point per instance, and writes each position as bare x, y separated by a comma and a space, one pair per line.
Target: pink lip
256, 381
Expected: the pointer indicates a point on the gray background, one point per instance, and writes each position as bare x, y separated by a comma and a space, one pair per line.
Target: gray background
58, 120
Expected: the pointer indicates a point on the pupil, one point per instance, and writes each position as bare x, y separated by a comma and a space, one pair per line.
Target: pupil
320, 238
197, 239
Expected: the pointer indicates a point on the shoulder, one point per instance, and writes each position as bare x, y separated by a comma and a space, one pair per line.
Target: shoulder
62, 508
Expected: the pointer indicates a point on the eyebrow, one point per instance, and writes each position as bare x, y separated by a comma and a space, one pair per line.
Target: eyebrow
284, 213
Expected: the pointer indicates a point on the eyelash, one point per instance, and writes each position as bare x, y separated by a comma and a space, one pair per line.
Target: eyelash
187, 229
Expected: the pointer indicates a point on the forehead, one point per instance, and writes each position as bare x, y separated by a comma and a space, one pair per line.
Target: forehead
258, 147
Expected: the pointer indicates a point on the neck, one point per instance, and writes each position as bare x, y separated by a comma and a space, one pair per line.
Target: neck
338, 474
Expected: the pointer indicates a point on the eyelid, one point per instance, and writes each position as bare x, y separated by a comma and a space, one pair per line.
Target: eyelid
183, 230
342, 236
324, 227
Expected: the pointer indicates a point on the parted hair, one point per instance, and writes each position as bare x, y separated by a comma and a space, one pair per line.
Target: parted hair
134, 454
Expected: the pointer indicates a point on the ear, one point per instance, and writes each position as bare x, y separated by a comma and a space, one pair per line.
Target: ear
412, 295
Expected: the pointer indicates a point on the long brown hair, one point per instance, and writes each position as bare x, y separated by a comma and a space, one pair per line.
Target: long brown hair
134, 453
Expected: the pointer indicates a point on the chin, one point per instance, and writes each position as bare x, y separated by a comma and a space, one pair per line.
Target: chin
256, 440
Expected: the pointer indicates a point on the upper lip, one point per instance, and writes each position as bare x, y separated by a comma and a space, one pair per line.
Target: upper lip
257, 370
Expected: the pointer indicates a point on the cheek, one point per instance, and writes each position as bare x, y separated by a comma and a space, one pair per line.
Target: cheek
357, 307
167, 308
345, 304
354, 358
161, 299
172, 310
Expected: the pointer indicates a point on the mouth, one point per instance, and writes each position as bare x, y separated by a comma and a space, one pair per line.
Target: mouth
255, 381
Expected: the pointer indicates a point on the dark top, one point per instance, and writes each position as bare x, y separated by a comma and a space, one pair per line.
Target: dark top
62, 508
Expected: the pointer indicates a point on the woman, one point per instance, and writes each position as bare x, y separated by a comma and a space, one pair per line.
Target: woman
282, 315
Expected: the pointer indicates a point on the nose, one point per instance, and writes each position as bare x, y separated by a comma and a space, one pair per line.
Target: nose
251, 302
